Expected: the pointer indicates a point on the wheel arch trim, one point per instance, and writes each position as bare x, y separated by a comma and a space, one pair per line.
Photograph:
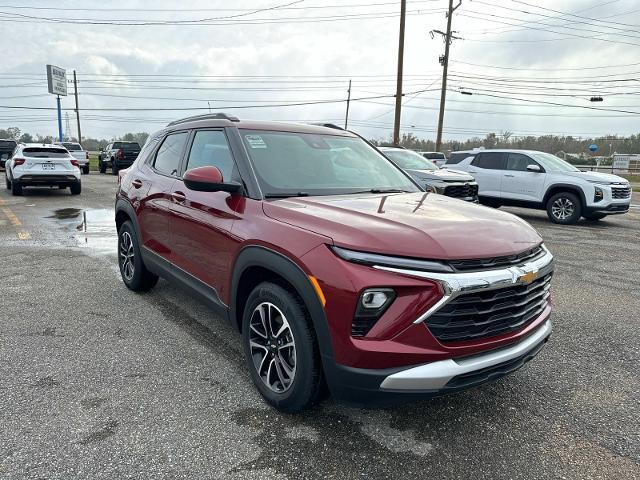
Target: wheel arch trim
285, 267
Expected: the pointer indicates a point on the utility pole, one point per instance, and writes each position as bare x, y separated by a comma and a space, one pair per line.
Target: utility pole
75, 89
346, 117
396, 124
59, 119
444, 61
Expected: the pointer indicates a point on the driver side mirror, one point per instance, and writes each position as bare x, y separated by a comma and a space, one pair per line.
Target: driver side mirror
534, 168
209, 179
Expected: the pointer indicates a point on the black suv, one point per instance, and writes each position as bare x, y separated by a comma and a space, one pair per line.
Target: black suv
117, 156
7, 146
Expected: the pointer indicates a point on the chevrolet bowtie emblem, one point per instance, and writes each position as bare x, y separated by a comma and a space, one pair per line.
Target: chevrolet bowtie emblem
528, 277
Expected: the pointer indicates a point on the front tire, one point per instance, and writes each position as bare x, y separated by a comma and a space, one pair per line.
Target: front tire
102, 168
281, 349
8, 183
564, 208
114, 167
133, 271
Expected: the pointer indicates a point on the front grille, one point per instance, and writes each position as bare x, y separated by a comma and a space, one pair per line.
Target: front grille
494, 312
620, 192
497, 262
461, 191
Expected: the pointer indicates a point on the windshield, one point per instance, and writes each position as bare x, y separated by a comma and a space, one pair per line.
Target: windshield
310, 164
410, 160
126, 146
553, 163
72, 147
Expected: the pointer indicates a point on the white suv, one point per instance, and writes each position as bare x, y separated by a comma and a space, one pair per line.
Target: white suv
36, 164
527, 178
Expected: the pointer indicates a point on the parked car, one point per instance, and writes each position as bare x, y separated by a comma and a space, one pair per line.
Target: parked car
118, 155
434, 179
531, 179
77, 152
438, 158
7, 146
331, 261
37, 164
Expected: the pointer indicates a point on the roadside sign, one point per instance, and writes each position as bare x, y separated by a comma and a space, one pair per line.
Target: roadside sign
593, 147
57, 80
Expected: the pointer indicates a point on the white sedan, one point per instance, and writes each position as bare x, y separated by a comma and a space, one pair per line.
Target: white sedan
36, 164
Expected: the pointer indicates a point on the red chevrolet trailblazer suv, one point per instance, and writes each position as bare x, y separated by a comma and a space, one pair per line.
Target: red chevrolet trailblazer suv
335, 266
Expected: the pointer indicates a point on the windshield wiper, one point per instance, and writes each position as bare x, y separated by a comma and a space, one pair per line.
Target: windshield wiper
384, 190
286, 195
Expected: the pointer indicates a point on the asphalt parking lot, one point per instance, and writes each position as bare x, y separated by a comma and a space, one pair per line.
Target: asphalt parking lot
99, 382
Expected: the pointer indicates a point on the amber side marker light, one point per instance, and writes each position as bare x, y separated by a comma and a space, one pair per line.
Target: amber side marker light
316, 286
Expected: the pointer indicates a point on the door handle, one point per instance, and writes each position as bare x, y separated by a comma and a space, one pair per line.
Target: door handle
473, 171
178, 197
137, 183
508, 175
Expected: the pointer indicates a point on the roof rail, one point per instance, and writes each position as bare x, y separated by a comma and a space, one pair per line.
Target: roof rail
328, 125
206, 116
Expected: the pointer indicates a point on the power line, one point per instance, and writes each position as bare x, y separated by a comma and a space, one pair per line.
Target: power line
547, 69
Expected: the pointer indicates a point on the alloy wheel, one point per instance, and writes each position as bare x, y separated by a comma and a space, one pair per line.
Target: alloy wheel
127, 256
272, 347
562, 208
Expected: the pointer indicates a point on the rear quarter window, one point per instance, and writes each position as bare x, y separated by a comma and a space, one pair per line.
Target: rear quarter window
458, 157
490, 161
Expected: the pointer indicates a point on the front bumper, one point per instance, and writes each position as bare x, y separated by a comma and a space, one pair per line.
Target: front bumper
391, 386
611, 209
451, 374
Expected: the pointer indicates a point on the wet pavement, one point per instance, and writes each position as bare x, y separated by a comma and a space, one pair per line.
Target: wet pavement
99, 382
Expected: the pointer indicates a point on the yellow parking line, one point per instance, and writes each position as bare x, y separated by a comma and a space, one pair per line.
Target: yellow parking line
15, 221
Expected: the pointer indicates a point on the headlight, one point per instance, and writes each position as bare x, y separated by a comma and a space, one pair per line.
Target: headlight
377, 260
434, 188
599, 195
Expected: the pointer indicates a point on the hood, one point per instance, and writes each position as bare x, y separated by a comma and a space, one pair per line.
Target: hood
420, 225
442, 175
597, 177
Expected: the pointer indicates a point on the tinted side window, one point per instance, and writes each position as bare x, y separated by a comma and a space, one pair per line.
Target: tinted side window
490, 161
170, 152
210, 148
519, 162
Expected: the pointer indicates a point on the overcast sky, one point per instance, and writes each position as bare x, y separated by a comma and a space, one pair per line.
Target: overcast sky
332, 43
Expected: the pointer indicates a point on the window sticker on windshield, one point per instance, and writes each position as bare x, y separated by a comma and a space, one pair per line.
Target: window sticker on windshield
255, 141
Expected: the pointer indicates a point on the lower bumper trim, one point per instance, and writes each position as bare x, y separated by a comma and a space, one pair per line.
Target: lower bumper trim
445, 374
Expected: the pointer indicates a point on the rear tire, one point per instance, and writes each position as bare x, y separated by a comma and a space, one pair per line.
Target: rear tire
16, 188
114, 167
85, 169
8, 183
564, 208
133, 271
282, 351
76, 188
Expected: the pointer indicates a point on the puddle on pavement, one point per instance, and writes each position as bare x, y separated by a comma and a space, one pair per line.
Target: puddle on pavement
93, 229
96, 230
66, 213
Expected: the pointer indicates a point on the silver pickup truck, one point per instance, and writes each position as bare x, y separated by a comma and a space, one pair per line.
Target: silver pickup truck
77, 152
